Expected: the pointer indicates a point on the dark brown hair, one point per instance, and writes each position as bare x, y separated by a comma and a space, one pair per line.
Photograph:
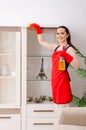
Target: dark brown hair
69, 36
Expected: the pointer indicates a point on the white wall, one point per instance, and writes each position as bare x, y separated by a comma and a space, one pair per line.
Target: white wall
45, 12
48, 13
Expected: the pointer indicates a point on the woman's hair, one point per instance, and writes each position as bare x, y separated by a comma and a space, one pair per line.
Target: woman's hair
69, 36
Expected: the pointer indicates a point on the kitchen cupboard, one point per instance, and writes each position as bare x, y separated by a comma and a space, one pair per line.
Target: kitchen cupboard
10, 122
10, 105
41, 111
42, 116
10, 66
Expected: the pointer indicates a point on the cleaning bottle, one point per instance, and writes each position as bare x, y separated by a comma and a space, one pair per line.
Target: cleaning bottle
61, 65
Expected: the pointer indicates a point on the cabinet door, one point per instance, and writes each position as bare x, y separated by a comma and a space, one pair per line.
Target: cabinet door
9, 67
9, 122
40, 123
42, 110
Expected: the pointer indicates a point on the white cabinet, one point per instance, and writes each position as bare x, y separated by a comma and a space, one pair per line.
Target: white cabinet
39, 65
9, 122
10, 106
10, 67
41, 111
41, 116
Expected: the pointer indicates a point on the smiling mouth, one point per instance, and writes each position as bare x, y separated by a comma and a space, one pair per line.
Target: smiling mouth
60, 38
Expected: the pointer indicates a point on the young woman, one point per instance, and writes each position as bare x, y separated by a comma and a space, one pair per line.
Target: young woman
60, 80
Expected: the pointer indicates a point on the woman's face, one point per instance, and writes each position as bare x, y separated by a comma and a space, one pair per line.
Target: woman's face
61, 35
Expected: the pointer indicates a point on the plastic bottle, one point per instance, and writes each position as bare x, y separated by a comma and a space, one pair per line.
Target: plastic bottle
61, 65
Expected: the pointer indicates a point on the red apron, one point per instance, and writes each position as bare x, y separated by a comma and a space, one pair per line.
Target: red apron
61, 89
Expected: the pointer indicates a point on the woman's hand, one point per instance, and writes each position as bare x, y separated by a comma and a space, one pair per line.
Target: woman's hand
35, 26
70, 57
66, 55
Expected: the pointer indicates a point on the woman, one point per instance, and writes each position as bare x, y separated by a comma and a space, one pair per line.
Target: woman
60, 80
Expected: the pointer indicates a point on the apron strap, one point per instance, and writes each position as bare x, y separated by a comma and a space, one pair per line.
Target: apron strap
56, 48
65, 47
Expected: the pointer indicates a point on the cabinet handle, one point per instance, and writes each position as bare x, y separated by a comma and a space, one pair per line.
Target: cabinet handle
5, 117
43, 123
43, 110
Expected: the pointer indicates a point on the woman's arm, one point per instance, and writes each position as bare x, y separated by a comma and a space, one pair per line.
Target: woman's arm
40, 37
44, 43
75, 61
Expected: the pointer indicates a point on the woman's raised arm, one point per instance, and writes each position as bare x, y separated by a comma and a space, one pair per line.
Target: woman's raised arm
40, 37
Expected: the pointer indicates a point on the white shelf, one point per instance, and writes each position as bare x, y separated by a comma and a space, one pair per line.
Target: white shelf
38, 80
6, 54
7, 77
9, 105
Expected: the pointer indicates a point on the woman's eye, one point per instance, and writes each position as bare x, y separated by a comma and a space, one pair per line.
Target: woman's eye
57, 33
62, 33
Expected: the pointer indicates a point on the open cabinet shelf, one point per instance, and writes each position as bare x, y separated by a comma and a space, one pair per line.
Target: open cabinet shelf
38, 65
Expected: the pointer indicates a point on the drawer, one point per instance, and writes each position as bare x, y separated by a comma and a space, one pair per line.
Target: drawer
41, 110
41, 123
9, 122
